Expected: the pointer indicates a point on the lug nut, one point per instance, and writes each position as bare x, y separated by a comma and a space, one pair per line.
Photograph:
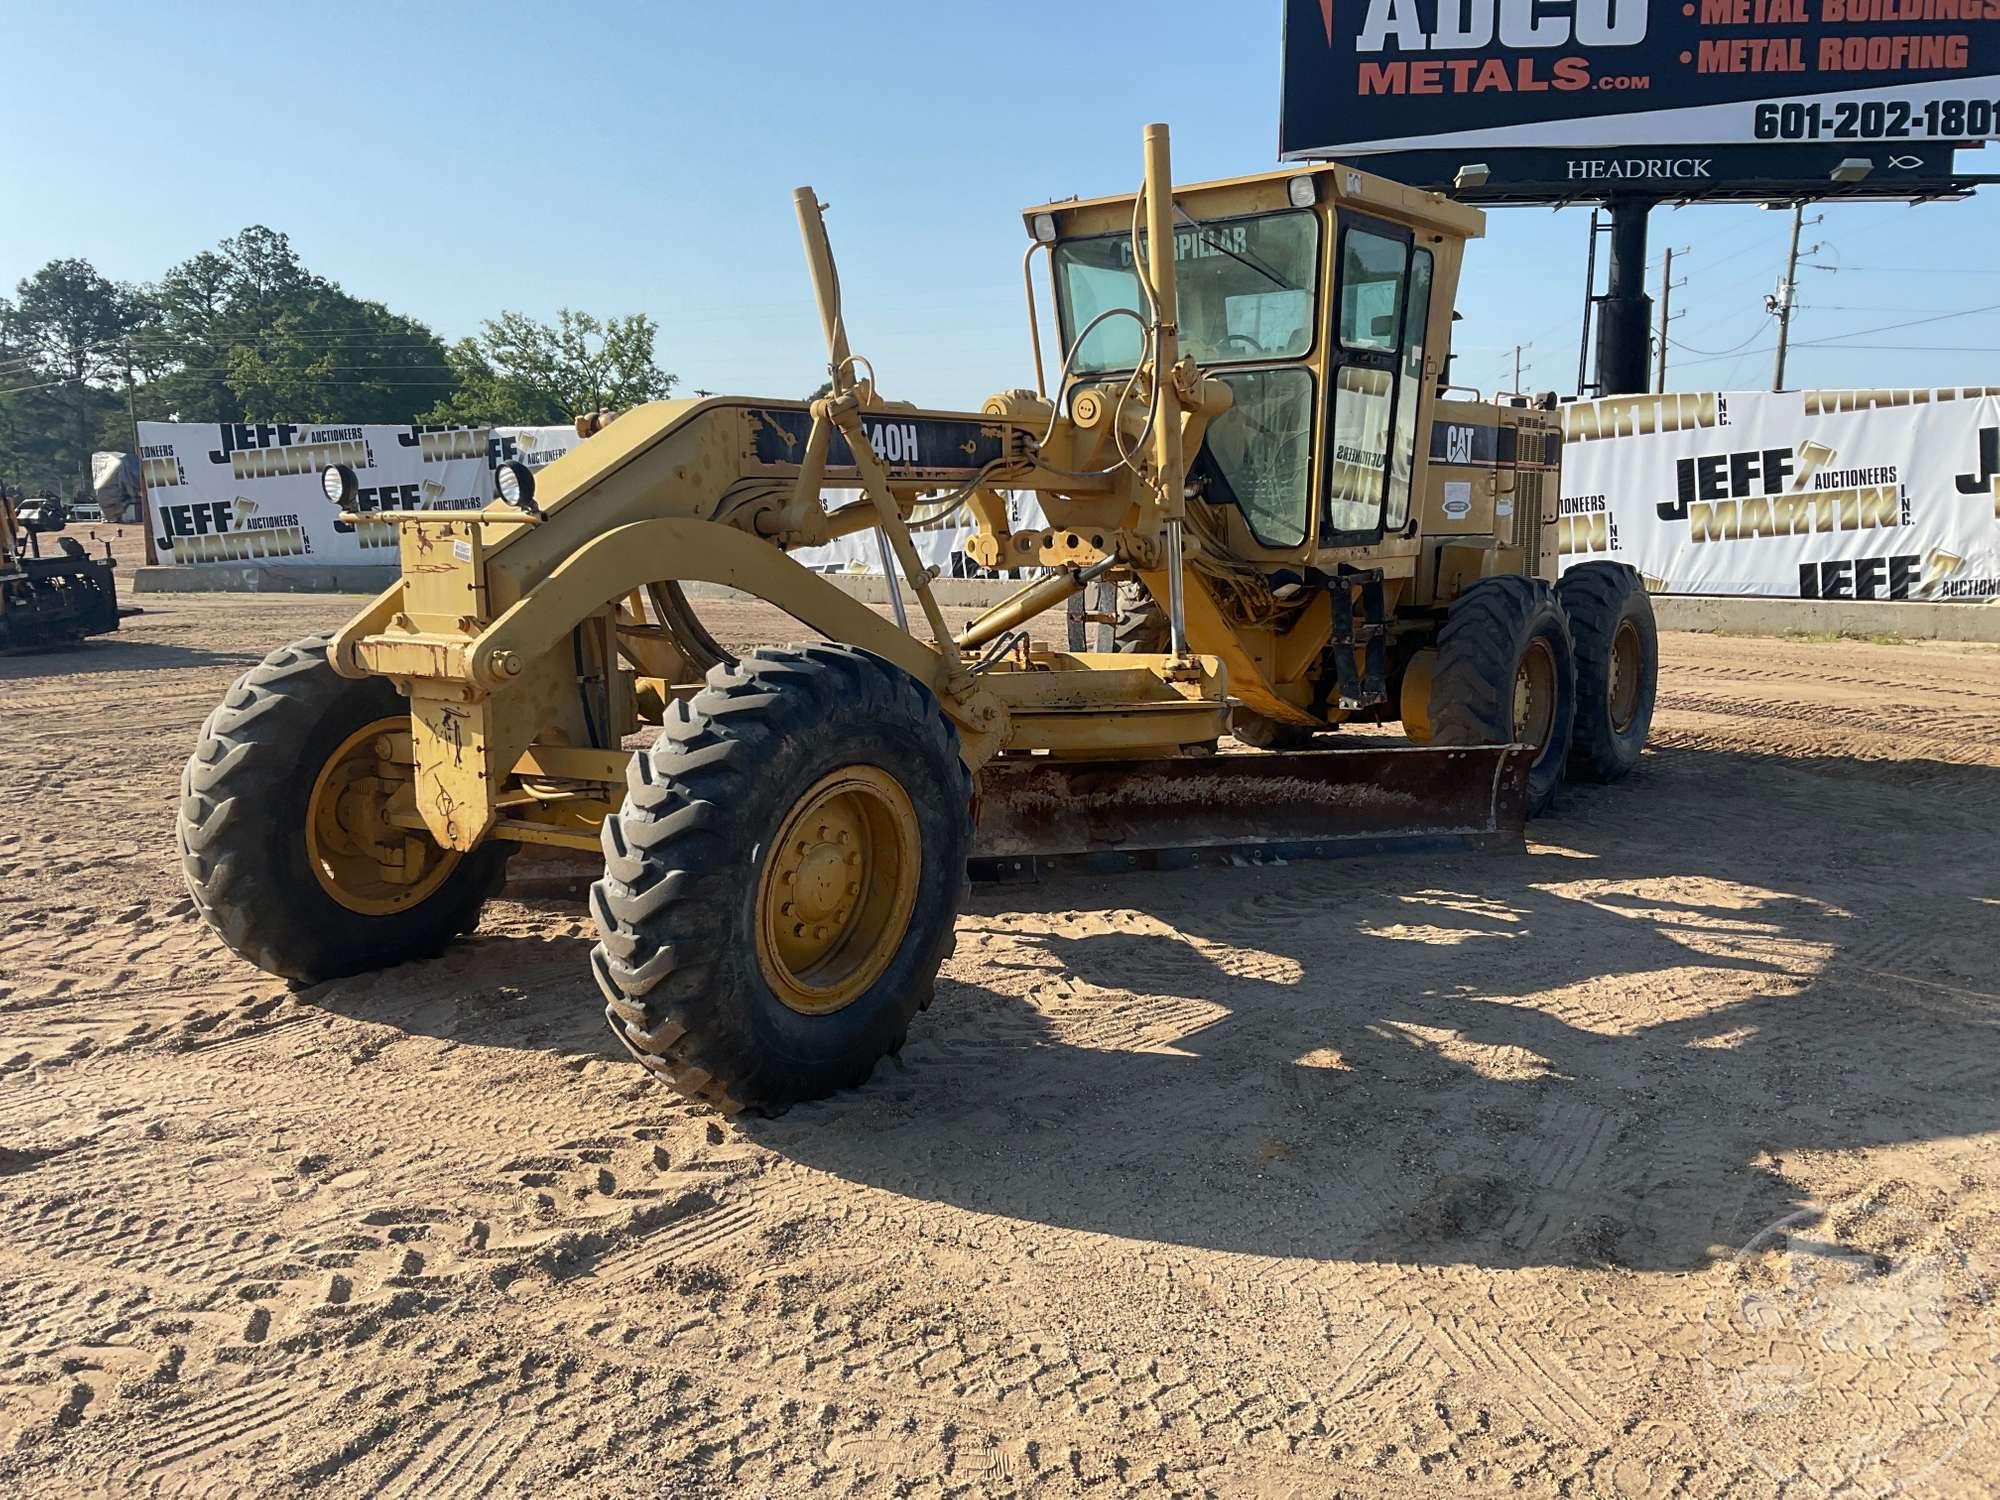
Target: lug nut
853, 887
786, 910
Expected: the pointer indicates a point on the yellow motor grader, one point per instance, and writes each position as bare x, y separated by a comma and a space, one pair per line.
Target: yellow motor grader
1250, 433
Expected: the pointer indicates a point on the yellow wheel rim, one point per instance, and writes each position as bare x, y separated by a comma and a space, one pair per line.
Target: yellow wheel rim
361, 860
837, 889
1535, 695
1623, 692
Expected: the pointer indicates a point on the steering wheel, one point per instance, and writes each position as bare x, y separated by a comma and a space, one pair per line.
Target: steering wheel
1230, 340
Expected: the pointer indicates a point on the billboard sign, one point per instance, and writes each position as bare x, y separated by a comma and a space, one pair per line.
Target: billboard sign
249, 492
1365, 76
1835, 494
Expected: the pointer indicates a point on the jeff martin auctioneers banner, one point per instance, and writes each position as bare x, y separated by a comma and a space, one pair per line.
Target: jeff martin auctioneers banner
1885, 494
249, 492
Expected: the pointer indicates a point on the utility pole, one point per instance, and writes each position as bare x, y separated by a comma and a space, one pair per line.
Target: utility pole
131, 402
1784, 299
1517, 369
1666, 316
1780, 306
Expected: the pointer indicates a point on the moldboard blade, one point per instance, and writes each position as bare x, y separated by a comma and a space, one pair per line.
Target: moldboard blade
1035, 814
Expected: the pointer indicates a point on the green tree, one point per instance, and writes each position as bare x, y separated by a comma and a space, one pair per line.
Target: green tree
522, 370
69, 334
245, 332
483, 397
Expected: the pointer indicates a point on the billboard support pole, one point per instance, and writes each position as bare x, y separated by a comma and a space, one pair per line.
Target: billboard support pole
1589, 310
1625, 316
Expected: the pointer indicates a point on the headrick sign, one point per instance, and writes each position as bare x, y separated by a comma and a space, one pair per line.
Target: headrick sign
1404, 75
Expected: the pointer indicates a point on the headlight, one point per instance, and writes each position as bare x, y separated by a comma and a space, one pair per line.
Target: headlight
340, 485
515, 482
1302, 192
1045, 228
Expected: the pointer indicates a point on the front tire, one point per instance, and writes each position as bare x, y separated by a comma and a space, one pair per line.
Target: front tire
280, 838
1506, 674
781, 883
1617, 667
1261, 733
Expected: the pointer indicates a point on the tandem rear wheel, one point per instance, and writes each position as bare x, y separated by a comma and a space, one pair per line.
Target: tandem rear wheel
1617, 667
1571, 669
1503, 672
782, 879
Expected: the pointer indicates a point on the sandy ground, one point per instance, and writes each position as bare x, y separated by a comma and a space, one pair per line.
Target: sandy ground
1654, 1160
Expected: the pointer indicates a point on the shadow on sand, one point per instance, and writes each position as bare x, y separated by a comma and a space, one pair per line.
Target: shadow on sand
1602, 1051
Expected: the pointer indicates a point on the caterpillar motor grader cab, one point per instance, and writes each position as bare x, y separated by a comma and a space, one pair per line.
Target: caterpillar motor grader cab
1248, 428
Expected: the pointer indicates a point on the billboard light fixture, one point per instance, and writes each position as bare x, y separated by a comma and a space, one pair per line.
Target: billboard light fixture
1473, 174
1853, 168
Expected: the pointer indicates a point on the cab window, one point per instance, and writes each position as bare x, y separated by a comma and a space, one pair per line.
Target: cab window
1409, 391
1246, 289
1383, 314
1258, 454
1372, 268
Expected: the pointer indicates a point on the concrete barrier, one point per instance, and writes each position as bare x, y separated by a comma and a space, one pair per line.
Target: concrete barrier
1746, 615
1733, 615
254, 578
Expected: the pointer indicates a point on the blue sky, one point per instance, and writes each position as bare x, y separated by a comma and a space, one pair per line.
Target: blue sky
455, 160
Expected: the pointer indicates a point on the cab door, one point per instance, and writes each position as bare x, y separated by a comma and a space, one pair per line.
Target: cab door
1381, 311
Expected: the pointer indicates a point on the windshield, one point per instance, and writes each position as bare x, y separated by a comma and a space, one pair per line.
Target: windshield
1245, 288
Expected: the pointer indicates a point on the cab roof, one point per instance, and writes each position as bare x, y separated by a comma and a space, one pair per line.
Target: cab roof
1345, 186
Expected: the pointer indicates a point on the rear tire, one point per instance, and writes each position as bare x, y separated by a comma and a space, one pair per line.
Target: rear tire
1505, 674
1617, 667
693, 956
247, 797
1142, 628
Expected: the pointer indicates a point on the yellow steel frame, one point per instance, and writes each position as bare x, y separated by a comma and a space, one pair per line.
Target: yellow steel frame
504, 629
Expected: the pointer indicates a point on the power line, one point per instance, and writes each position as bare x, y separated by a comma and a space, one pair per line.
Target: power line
1855, 333
1739, 355
1927, 270
1755, 334
1896, 348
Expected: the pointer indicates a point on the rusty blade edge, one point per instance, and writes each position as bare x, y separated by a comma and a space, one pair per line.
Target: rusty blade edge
1295, 805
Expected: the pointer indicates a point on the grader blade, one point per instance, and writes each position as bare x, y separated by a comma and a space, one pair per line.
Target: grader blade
1035, 815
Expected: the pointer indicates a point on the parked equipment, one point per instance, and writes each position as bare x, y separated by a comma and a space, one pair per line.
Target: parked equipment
49, 601
1249, 429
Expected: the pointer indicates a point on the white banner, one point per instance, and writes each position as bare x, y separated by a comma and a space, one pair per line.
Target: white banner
941, 547
249, 492
533, 446
1883, 494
